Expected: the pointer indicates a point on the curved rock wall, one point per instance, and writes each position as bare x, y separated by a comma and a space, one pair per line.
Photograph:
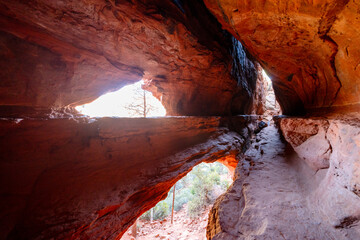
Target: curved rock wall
331, 143
60, 53
309, 48
80, 179
280, 194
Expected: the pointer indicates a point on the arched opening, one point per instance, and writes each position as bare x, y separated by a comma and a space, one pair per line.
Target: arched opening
129, 101
272, 107
184, 213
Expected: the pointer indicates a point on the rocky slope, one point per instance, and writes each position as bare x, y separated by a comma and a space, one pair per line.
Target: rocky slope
310, 48
81, 179
60, 53
279, 194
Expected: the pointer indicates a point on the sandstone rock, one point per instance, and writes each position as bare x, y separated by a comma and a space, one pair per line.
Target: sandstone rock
60, 53
260, 126
337, 199
310, 49
309, 140
79, 179
71, 178
261, 94
278, 196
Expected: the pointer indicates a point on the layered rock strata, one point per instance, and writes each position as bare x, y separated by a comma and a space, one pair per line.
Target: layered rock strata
90, 179
67, 53
309, 48
312, 193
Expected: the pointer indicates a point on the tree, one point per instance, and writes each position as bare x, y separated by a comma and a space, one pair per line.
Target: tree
172, 206
198, 189
140, 107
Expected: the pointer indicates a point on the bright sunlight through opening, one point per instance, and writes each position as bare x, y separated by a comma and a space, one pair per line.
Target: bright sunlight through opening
129, 101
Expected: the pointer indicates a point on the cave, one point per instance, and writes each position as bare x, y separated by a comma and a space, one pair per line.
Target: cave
183, 214
129, 101
67, 176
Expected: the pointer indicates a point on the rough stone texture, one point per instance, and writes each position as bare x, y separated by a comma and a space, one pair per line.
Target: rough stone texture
261, 95
81, 179
337, 199
60, 53
309, 140
310, 48
276, 195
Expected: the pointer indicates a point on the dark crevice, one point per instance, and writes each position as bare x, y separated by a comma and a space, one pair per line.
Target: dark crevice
348, 222
179, 4
123, 67
328, 39
290, 77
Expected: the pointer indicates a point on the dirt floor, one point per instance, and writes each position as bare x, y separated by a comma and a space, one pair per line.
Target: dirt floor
183, 228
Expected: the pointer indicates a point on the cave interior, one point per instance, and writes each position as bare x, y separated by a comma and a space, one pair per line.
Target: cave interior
64, 175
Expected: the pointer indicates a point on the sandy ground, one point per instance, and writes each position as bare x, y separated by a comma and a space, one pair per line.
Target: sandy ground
183, 228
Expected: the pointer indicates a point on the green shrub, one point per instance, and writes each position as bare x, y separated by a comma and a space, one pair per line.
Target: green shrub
181, 198
161, 211
195, 207
197, 189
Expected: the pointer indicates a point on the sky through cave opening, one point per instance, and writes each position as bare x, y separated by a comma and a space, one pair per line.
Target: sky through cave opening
272, 107
129, 101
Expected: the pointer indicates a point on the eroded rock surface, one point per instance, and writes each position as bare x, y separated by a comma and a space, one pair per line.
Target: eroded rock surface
276, 195
79, 179
334, 141
60, 53
310, 48
309, 140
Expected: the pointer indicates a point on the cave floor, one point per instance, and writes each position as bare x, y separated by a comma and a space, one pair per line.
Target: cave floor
270, 197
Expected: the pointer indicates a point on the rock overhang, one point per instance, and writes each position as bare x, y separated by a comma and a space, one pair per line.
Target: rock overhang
75, 178
65, 54
309, 49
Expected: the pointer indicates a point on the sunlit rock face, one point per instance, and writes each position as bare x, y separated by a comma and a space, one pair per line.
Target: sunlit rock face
260, 96
310, 191
60, 53
331, 143
310, 48
80, 179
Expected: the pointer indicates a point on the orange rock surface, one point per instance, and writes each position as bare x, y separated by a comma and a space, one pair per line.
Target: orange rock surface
72, 178
60, 53
79, 179
310, 48
63, 178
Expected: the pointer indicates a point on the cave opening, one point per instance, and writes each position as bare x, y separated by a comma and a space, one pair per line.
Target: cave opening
65, 176
272, 107
194, 196
130, 101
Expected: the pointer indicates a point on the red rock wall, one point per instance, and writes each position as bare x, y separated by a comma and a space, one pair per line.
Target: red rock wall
259, 102
55, 54
63, 178
69, 178
310, 49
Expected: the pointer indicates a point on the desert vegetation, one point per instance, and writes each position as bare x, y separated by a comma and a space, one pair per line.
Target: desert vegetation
196, 191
